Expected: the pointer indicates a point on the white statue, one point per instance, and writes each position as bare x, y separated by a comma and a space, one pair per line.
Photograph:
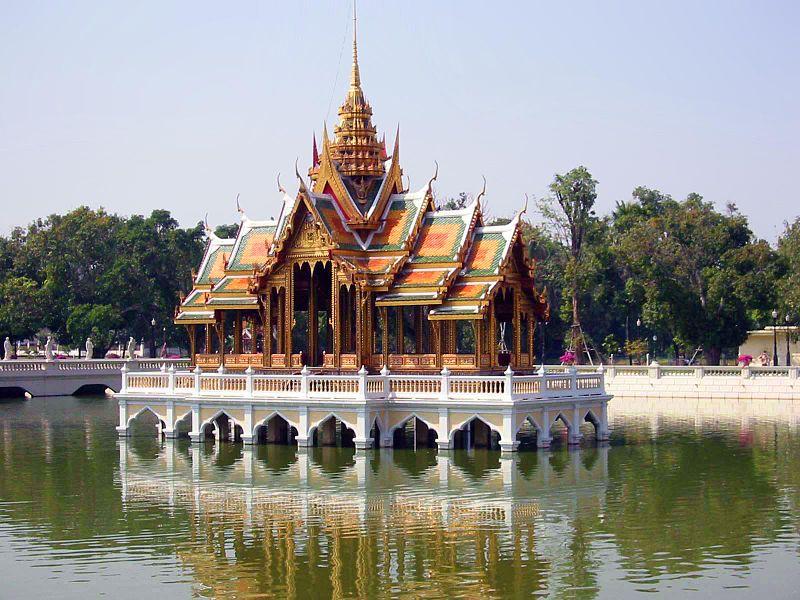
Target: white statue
48, 348
89, 348
7, 349
131, 348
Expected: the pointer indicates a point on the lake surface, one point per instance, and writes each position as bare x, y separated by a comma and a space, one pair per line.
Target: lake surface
702, 501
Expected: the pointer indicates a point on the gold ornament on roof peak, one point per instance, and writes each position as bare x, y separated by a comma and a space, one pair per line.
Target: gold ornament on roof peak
355, 147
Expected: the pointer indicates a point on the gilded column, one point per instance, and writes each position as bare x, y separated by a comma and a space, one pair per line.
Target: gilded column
313, 329
385, 335
267, 331
289, 315
336, 330
359, 345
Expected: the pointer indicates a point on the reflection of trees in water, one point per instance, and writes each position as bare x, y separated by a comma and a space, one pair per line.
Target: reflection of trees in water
690, 500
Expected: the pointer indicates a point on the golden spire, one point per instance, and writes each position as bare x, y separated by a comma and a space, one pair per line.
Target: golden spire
355, 147
355, 75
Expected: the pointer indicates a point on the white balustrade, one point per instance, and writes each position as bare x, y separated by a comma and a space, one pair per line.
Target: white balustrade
444, 386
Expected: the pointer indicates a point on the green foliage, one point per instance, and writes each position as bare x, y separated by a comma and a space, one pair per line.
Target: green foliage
698, 272
789, 284
100, 322
91, 273
227, 232
22, 308
636, 348
456, 203
695, 276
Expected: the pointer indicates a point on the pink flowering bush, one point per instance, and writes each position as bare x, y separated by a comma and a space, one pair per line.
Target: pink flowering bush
745, 360
568, 358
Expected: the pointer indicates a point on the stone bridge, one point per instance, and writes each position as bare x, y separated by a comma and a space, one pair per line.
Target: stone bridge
66, 377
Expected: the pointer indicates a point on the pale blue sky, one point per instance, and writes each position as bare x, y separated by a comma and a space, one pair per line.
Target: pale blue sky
180, 105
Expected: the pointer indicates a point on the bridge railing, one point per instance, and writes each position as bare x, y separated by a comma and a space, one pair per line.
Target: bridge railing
362, 386
699, 372
83, 365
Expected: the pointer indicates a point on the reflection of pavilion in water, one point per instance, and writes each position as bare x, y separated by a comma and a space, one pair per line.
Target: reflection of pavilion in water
349, 523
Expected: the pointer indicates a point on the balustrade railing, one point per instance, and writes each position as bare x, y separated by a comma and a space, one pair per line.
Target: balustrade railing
361, 386
76, 366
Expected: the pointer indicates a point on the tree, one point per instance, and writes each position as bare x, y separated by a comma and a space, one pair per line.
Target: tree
569, 211
23, 305
789, 283
63, 272
701, 272
456, 203
100, 322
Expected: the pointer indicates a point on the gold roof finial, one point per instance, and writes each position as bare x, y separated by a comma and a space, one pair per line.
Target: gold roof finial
355, 76
355, 147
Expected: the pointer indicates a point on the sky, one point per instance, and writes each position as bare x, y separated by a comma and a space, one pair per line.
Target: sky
136, 106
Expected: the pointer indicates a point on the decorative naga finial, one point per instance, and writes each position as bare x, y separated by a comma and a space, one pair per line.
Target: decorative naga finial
239, 206
208, 231
299, 177
280, 187
435, 174
482, 194
524, 208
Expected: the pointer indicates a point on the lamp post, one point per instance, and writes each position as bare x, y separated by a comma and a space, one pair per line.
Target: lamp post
638, 326
655, 339
788, 354
153, 338
627, 341
774, 338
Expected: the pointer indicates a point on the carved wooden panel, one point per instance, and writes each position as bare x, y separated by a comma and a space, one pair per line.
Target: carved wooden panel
242, 361
458, 360
297, 360
327, 360
278, 360
349, 361
412, 361
206, 360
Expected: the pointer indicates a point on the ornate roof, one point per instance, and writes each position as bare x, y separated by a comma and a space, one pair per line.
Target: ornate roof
392, 242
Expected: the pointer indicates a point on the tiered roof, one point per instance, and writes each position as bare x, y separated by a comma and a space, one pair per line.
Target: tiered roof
395, 243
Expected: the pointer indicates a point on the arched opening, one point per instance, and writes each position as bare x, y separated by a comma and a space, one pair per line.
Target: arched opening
223, 429
146, 422
414, 433
276, 430
375, 434
183, 425
559, 430
590, 426
528, 435
91, 389
475, 433
16, 393
333, 432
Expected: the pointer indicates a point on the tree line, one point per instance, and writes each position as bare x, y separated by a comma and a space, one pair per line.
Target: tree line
656, 275
90, 273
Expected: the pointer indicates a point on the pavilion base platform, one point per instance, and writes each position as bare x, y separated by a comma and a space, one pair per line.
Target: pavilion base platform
367, 411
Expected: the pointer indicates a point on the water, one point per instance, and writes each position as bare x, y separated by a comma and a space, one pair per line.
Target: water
699, 500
